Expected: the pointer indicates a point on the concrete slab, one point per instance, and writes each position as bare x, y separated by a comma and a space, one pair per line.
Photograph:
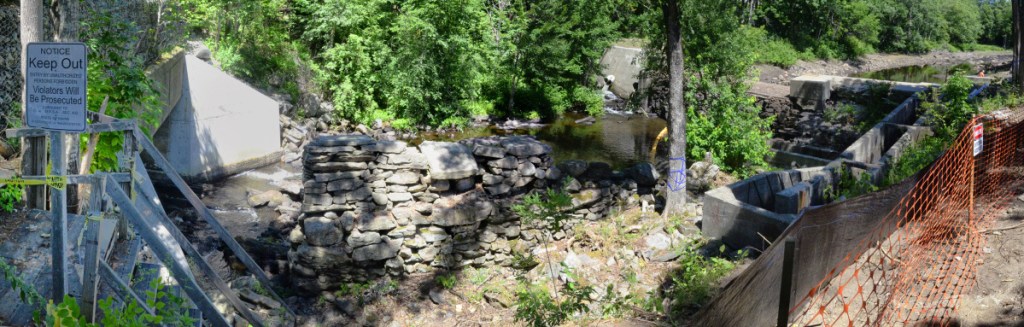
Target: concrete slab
449, 160
219, 127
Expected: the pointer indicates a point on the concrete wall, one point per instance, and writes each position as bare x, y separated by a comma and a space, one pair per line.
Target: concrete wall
220, 126
741, 213
625, 64
764, 205
169, 77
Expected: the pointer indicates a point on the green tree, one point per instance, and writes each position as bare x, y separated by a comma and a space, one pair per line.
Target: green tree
996, 21
721, 116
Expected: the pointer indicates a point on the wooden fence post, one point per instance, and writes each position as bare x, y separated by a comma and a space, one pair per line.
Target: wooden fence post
786, 287
92, 250
59, 210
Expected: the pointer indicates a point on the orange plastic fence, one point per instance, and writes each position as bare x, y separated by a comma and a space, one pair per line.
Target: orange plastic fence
930, 244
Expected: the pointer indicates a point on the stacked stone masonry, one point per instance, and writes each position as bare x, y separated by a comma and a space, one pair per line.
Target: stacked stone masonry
373, 208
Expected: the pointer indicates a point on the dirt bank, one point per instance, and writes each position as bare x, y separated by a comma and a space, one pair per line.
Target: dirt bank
776, 75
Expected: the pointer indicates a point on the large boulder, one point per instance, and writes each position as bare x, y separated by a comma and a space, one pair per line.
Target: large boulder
449, 160
379, 221
522, 146
573, 168
384, 250
465, 209
320, 231
701, 176
645, 174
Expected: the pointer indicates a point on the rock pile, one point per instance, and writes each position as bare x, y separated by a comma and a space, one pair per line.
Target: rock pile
512, 164
372, 208
294, 137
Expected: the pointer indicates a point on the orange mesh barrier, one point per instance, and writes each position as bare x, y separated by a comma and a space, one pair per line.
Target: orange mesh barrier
922, 256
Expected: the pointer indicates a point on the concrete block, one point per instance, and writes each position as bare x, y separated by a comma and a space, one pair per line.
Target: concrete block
794, 199
812, 90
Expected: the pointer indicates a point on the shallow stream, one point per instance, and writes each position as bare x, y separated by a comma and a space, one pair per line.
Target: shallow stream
620, 140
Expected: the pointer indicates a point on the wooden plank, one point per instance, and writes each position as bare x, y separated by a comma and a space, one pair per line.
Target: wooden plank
145, 183
204, 212
124, 270
121, 288
113, 126
92, 252
164, 253
198, 259
147, 272
58, 207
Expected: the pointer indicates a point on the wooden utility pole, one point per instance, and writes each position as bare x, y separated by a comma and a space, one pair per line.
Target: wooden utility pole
1016, 69
675, 201
33, 149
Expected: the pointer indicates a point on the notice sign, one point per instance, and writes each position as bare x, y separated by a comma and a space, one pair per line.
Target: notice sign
979, 139
55, 83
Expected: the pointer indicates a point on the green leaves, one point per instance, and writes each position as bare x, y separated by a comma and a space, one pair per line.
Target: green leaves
723, 120
10, 195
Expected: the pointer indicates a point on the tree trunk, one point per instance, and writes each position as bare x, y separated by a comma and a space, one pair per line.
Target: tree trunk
1016, 68
675, 201
33, 149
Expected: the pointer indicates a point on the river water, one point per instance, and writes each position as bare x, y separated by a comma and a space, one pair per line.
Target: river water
920, 74
621, 140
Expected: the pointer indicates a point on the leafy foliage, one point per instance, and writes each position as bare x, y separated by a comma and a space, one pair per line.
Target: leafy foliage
914, 159
693, 283
851, 28
27, 293
721, 117
949, 109
116, 74
10, 195
446, 281
727, 124
827, 28
537, 308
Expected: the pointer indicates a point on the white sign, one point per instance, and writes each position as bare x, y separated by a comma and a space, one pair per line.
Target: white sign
55, 86
979, 139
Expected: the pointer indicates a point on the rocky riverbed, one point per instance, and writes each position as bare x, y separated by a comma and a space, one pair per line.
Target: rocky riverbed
873, 62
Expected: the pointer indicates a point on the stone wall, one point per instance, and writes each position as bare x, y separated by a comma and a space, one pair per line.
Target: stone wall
10, 58
374, 208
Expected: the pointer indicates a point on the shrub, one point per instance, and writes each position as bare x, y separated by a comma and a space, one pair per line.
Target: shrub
446, 281
726, 124
769, 49
948, 109
693, 283
10, 195
536, 308
115, 72
590, 100
914, 159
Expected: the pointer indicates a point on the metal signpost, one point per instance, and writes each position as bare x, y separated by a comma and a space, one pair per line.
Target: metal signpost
55, 100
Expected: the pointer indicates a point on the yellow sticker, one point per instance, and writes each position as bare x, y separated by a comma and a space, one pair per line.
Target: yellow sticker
56, 182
